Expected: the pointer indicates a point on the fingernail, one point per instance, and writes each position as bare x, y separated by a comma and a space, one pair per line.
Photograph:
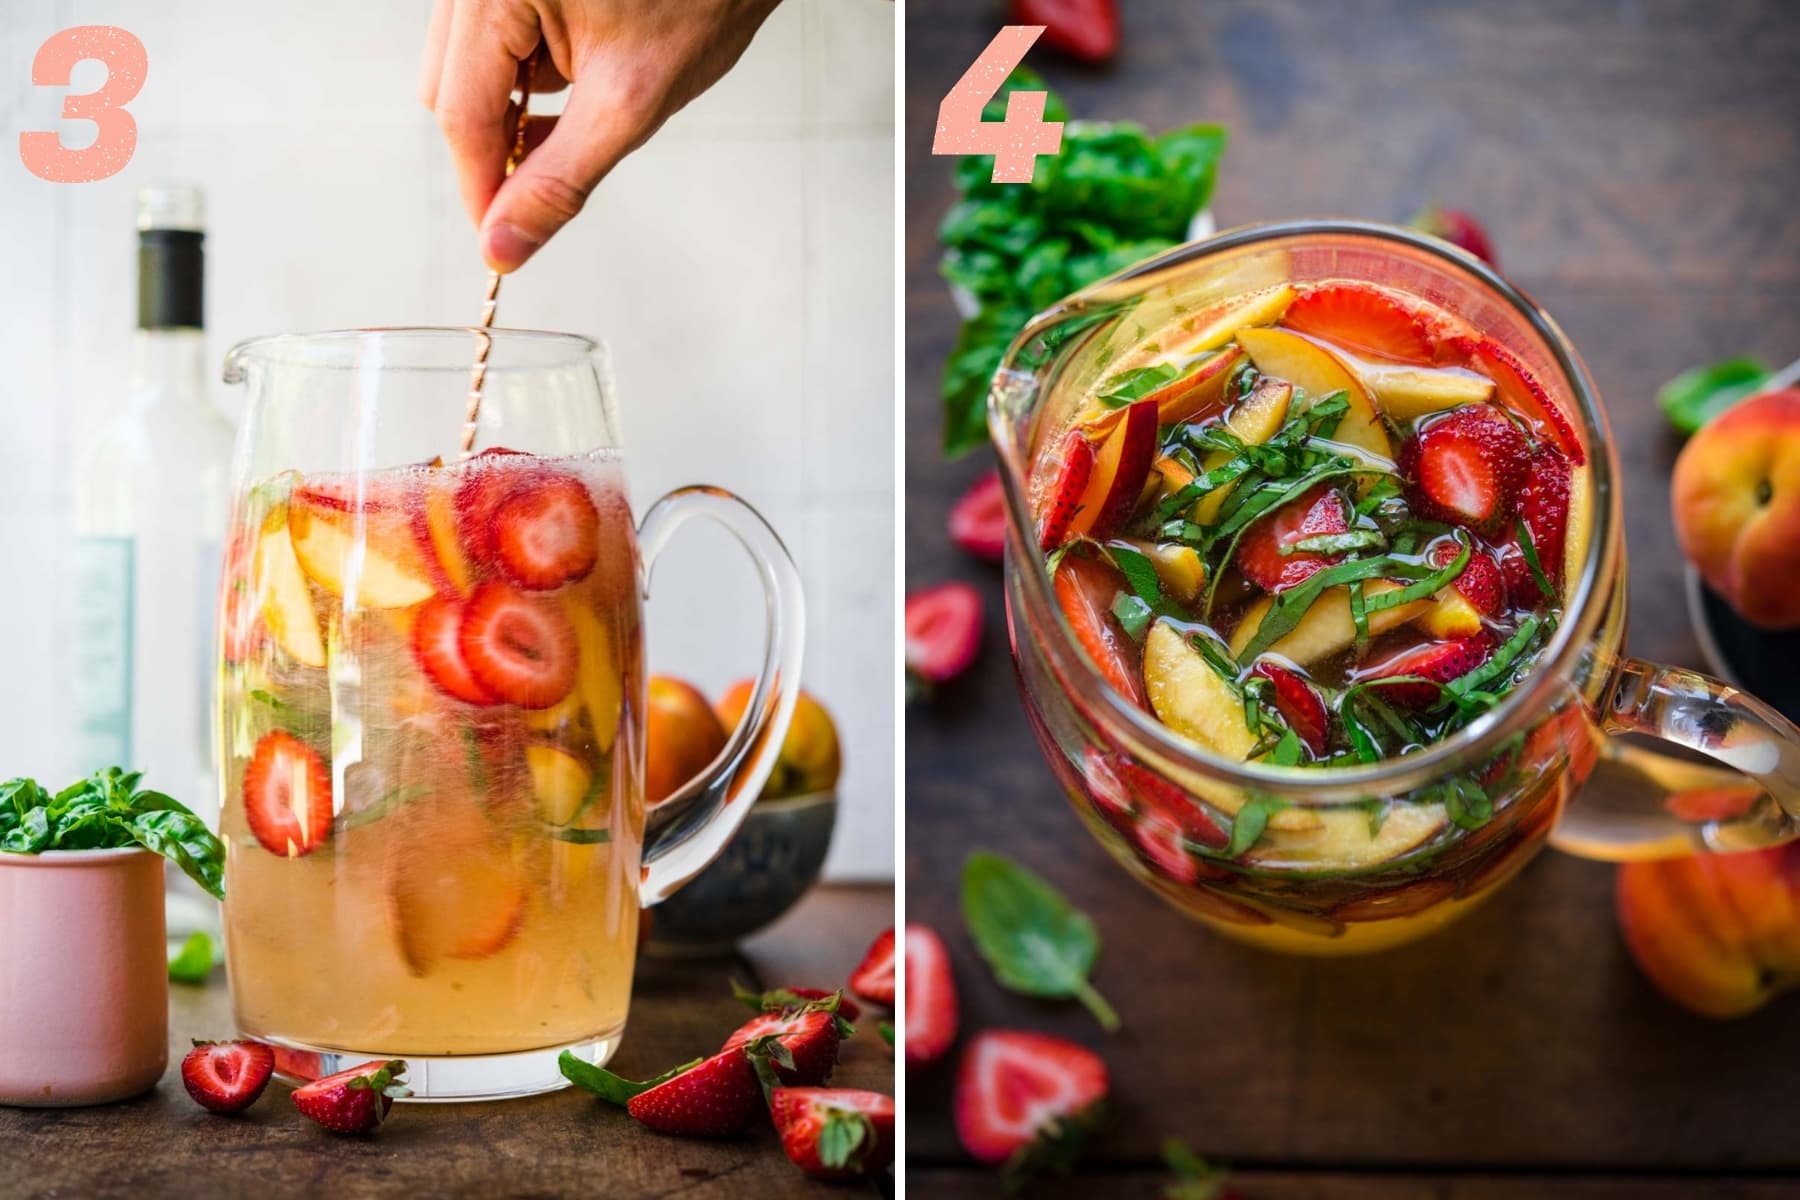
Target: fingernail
506, 247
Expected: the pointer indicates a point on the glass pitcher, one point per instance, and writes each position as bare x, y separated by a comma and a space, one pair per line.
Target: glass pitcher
431, 707
1357, 858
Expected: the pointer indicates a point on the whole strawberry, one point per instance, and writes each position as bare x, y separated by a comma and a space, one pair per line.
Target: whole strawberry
227, 1077
356, 1100
715, 1098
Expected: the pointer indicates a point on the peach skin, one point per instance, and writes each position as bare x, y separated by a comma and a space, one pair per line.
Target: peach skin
1718, 934
1737, 507
809, 760
682, 735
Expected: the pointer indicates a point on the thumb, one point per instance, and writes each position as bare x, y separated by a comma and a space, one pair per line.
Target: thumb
546, 190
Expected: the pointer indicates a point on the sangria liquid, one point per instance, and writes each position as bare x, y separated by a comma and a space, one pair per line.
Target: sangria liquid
432, 800
1318, 525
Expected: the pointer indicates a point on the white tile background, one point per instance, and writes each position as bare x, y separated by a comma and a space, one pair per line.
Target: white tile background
740, 266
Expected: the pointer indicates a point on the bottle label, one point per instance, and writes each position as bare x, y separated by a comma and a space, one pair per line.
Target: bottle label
103, 611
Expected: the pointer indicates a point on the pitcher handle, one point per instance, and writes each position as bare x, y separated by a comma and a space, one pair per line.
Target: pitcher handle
688, 830
1641, 803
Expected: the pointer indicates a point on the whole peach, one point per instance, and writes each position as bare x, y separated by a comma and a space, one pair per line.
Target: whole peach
809, 759
1717, 933
1737, 507
681, 735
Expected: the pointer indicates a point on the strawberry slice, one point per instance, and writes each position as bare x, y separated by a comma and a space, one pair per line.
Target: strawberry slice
1439, 662
1160, 838
1466, 467
1085, 589
1087, 29
789, 998
931, 1008
241, 631
1544, 507
1075, 467
1480, 582
834, 1133
227, 1077
484, 488
354, 1101
810, 1036
978, 520
437, 644
943, 631
714, 1098
547, 534
1259, 556
287, 795
1299, 703
1014, 1089
518, 650
1518, 390
873, 978
1363, 317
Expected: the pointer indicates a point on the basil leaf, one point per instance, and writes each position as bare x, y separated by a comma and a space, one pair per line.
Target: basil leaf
1528, 548
1499, 662
106, 811
579, 837
1034, 940
614, 1089
1250, 822
886, 1029
1137, 383
1287, 750
1337, 543
1696, 396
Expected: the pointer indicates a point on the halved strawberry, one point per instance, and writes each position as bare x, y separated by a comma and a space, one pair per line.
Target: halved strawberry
1439, 662
354, 1101
1075, 466
484, 488
834, 1133
1459, 229
810, 1036
943, 631
786, 999
1016, 1088
1259, 556
547, 534
1162, 842
873, 978
931, 1008
1466, 467
437, 644
1299, 703
519, 650
714, 1098
287, 795
227, 1077
978, 521
1363, 317
1518, 390
1480, 582
1085, 589
1544, 507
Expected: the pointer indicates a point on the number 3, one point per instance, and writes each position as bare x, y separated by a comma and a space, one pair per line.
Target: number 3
43, 154
1015, 142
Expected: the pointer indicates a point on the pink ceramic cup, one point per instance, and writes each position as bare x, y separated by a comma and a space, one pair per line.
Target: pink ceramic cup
84, 989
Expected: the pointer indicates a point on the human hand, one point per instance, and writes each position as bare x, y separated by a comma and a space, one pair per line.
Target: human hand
629, 64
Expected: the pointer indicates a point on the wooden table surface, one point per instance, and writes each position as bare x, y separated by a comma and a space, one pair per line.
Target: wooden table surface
1638, 165
562, 1144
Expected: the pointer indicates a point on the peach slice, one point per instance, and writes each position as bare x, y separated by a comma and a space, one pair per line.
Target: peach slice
1194, 395
1191, 698
1121, 463
1180, 568
597, 677
282, 593
1327, 627
1449, 616
1254, 421
1318, 372
558, 780
1578, 529
387, 571
1213, 327
1405, 393
434, 525
452, 893
1342, 841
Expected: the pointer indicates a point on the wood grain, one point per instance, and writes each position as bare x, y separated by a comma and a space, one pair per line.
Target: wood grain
562, 1144
1649, 206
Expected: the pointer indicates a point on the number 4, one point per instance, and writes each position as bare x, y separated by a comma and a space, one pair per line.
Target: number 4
43, 153
1015, 142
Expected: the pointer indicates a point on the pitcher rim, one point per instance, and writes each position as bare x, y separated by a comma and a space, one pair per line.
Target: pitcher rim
1139, 731
580, 345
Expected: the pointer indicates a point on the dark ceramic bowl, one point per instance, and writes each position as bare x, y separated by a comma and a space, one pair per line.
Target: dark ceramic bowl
1754, 660
771, 863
